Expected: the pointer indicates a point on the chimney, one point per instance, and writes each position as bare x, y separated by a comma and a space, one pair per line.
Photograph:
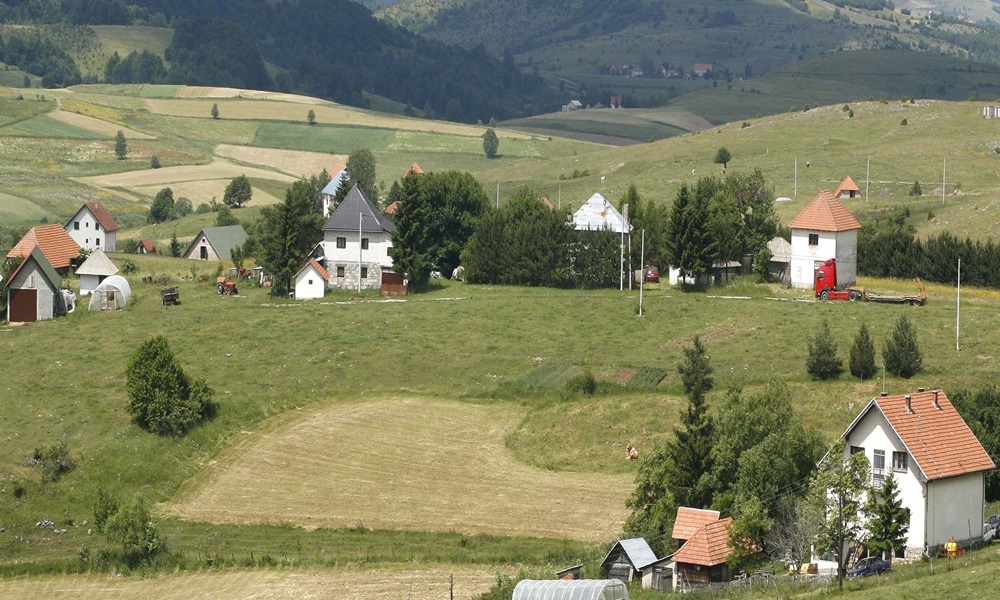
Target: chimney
884, 394
920, 389
909, 403
937, 405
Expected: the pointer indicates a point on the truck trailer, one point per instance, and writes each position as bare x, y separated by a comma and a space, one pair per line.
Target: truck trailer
826, 288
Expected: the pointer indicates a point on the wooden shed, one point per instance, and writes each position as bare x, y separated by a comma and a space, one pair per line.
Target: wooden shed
627, 559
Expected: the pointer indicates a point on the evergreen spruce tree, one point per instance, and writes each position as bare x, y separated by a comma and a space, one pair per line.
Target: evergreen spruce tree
823, 362
863, 355
689, 453
121, 146
491, 143
695, 370
688, 244
215, 111
888, 520
175, 246
901, 353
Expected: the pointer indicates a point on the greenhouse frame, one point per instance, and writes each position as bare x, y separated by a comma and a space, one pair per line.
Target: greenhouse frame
563, 589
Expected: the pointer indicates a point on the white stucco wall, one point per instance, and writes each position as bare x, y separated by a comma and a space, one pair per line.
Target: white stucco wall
375, 258
841, 245
874, 433
195, 250
88, 233
89, 283
309, 284
955, 508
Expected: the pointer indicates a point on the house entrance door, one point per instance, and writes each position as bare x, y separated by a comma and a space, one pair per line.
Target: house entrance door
23, 306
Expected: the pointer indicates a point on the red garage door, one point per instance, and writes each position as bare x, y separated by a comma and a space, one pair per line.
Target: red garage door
23, 306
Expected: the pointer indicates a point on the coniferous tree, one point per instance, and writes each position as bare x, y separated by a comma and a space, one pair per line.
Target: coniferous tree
490, 143
175, 246
695, 370
121, 146
290, 229
901, 353
215, 111
888, 520
823, 362
863, 355
688, 244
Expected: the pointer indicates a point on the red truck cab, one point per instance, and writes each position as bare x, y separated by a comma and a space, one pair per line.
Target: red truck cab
825, 283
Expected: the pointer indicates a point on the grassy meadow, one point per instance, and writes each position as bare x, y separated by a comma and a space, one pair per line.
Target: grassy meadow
429, 433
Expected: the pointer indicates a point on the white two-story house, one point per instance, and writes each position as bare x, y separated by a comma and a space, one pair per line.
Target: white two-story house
939, 465
824, 230
93, 227
356, 242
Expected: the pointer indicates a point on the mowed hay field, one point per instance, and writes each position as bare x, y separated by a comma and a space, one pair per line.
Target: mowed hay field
403, 464
423, 583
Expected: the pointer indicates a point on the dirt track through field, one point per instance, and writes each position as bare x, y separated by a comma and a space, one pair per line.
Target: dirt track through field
428, 583
404, 464
218, 169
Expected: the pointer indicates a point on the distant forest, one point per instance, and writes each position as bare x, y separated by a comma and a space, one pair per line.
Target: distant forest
331, 49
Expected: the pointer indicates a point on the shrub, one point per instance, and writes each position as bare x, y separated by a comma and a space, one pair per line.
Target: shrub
154, 162
132, 526
916, 190
129, 267
850, 114
901, 353
203, 209
161, 397
847, 107
863, 355
822, 362
903, 122
54, 461
582, 383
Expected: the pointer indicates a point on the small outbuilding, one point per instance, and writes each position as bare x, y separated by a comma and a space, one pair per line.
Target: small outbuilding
216, 243
311, 281
112, 294
94, 270
145, 247
627, 559
569, 589
847, 190
33, 290
781, 258
824, 230
597, 214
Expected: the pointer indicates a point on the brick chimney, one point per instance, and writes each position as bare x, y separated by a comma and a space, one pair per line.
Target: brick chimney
937, 405
909, 403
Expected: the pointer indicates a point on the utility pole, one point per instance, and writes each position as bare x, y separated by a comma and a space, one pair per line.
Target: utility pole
958, 304
621, 250
361, 217
868, 172
840, 526
795, 185
642, 259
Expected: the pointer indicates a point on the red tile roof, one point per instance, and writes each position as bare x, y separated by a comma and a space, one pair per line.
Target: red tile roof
708, 547
415, 169
319, 269
690, 520
825, 213
847, 186
103, 216
392, 208
148, 245
59, 249
936, 436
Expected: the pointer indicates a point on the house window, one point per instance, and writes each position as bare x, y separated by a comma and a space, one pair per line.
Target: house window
857, 450
76, 226
88, 224
310, 281
878, 469
814, 239
97, 241
97, 226
364, 272
340, 271
899, 460
341, 242
364, 243
88, 241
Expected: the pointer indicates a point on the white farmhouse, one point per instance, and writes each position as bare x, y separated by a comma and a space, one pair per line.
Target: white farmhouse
356, 242
597, 214
824, 230
939, 465
93, 227
311, 281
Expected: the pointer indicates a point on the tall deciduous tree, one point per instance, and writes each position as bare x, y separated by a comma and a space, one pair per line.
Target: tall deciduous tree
163, 206
311, 117
121, 146
863, 354
238, 192
901, 353
722, 157
288, 231
838, 488
822, 361
161, 397
491, 143
436, 217
888, 520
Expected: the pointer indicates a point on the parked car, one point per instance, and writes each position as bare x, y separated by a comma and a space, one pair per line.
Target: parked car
989, 532
994, 521
873, 565
652, 274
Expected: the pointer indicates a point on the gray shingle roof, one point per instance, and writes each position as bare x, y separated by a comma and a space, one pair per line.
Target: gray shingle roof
222, 239
638, 551
345, 218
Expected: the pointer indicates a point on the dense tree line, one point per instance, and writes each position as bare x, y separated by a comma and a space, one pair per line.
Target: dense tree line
33, 53
895, 251
137, 67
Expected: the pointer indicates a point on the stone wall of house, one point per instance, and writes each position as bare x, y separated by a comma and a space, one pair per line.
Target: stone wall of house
351, 273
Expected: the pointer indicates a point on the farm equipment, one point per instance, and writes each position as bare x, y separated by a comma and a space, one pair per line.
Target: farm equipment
226, 287
825, 286
170, 296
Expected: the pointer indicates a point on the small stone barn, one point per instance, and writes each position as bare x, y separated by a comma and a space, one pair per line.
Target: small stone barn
627, 559
216, 243
824, 230
94, 270
33, 290
311, 281
563, 589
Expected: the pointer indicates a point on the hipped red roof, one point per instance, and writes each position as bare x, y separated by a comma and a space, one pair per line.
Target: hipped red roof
825, 213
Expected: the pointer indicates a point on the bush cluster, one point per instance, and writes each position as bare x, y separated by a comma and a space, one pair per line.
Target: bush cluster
161, 397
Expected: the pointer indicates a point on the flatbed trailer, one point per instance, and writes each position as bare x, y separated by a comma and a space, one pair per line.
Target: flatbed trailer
825, 286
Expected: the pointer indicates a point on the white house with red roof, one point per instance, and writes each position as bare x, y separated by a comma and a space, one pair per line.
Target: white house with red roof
847, 190
824, 230
93, 227
939, 465
311, 281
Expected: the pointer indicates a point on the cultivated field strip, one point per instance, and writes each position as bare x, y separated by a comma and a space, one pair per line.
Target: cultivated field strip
218, 169
405, 464
296, 163
342, 584
96, 125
